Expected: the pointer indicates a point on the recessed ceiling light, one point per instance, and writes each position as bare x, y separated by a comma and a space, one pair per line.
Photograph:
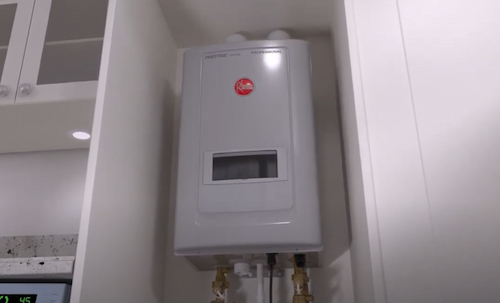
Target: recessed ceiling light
81, 135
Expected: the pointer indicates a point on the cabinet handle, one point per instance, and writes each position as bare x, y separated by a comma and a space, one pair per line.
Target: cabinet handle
25, 89
4, 91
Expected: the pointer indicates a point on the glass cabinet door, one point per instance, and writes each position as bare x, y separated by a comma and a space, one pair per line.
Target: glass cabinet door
63, 54
15, 19
7, 15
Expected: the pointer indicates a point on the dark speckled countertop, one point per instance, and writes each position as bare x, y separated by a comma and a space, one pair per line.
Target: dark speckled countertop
38, 246
37, 257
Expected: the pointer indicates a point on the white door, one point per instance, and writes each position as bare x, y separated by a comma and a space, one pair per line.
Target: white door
63, 52
15, 16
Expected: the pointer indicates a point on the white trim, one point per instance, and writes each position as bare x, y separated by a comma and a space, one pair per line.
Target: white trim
83, 234
36, 40
71, 91
75, 41
5, 2
379, 283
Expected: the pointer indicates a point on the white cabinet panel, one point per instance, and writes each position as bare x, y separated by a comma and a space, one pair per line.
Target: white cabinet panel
63, 52
429, 73
122, 241
402, 210
454, 67
15, 16
397, 209
365, 248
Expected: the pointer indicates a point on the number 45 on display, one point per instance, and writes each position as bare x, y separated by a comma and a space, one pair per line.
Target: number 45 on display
5, 299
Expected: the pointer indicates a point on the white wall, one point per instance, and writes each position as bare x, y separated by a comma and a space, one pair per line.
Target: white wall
454, 70
429, 74
403, 218
41, 193
333, 282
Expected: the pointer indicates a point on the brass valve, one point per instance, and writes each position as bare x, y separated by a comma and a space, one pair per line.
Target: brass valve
220, 284
300, 285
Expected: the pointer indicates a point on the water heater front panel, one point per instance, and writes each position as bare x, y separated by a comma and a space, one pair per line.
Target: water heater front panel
247, 180
245, 134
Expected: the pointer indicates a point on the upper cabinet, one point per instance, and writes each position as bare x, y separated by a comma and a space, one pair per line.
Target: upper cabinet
50, 50
15, 18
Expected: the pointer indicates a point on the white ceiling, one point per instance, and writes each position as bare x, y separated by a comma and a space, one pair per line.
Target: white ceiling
201, 22
44, 126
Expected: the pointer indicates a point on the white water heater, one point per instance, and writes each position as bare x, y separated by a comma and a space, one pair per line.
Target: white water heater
247, 164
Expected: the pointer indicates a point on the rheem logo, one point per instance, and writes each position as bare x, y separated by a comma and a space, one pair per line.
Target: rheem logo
244, 87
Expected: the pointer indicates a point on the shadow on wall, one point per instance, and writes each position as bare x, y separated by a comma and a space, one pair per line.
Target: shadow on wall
160, 254
333, 282
328, 149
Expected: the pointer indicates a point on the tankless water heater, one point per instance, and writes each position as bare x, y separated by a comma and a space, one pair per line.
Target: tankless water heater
247, 164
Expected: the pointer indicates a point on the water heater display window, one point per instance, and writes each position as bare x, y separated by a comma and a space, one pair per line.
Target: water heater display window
245, 165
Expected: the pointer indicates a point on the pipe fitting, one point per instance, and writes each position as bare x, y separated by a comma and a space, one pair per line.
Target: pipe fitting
300, 282
242, 269
220, 284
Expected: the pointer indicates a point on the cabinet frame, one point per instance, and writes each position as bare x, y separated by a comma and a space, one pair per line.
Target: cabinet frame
16, 47
29, 74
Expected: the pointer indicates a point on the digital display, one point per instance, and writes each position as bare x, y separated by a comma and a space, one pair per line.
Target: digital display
17, 298
245, 165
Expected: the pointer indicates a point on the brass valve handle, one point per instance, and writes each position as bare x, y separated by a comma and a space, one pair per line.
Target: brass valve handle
220, 284
300, 285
